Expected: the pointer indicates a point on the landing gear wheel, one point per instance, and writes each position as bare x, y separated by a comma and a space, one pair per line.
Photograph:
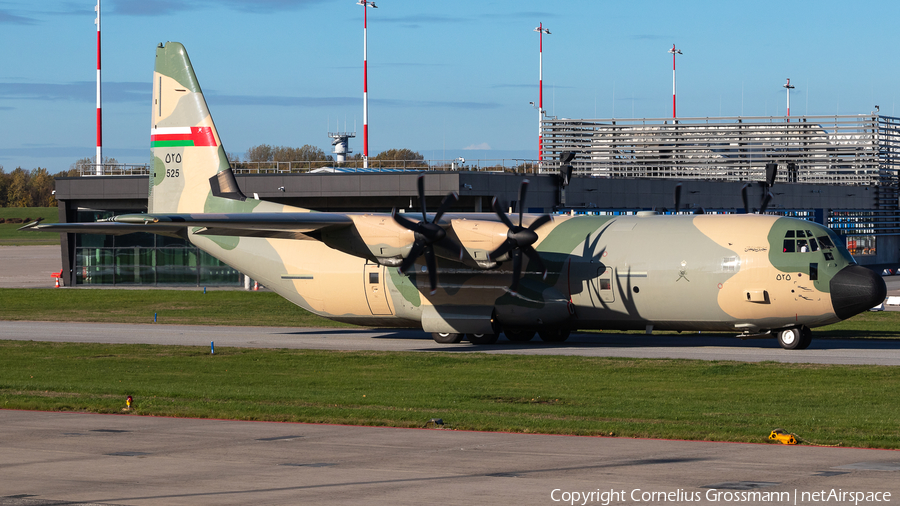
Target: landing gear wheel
519, 336
482, 338
805, 338
554, 335
446, 337
790, 339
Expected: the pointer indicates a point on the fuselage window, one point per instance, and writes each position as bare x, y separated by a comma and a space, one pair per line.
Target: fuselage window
373, 277
605, 284
788, 245
813, 245
800, 233
802, 246
789, 233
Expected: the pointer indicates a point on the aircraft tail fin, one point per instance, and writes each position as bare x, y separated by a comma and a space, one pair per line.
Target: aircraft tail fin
186, 148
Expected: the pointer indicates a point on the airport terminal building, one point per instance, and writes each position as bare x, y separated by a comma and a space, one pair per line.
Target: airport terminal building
839, 171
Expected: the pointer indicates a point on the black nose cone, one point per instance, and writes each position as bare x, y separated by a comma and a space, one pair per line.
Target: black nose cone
855, 289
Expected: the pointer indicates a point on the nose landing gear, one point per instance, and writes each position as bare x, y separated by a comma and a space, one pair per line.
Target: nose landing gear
795, 338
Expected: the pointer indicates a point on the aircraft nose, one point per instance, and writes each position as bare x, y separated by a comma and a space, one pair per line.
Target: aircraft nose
855, 289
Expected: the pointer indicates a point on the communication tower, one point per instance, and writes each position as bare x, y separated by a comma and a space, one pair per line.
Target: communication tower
341, 143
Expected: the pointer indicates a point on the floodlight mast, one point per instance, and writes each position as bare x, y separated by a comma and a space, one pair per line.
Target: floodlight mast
541, 30
674, 52
98, 169
365, 4
789, 87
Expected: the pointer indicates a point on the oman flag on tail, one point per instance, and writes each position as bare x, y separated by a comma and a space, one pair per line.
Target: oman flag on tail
163, 137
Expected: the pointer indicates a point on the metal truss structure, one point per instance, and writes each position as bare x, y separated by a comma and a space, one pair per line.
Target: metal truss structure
861, 150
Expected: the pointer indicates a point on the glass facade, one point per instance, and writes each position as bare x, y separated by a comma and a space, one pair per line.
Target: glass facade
861, 245
145, 259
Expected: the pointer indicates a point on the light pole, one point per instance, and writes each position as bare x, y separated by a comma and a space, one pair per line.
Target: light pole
541, 30
365, 4
99, 167
674, 52
789, 87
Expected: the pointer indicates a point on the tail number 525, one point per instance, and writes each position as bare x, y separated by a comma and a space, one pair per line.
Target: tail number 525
173, 173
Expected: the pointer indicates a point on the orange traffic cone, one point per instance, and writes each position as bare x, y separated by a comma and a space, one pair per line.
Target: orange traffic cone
57, 283
255, 286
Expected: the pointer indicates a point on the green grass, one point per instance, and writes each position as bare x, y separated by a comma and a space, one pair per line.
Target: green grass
10, 237
185, 307
682, 399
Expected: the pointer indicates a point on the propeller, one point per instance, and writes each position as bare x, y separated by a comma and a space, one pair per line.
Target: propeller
427, 233
767, 199
677, 198
519, 239
765, 202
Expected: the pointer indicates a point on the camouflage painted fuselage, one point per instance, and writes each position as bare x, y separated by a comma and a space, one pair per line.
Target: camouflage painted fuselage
704, 272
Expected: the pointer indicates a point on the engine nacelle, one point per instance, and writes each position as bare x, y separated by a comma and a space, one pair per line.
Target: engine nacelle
478, 238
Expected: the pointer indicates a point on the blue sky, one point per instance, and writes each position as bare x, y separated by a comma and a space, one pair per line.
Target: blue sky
446, 79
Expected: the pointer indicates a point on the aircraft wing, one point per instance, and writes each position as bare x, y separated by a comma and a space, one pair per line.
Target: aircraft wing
284, 225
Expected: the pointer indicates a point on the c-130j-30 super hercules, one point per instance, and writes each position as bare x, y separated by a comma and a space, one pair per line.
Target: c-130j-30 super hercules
753, 274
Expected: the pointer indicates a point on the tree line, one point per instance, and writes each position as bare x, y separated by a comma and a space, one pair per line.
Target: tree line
24, 188
34, 188
316, 157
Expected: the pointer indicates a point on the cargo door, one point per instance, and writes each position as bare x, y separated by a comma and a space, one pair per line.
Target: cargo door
376, 295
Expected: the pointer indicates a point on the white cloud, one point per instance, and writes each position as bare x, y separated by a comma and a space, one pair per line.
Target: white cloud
483, 145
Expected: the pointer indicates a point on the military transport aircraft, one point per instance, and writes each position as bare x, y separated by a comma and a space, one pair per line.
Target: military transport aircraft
465, 276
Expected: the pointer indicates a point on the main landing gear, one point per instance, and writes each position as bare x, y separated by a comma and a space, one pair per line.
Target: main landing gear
795, 338
548, 335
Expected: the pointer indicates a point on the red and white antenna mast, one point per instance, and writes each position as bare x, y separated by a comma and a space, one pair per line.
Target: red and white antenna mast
789, 87
541, 30
99, 166
674, 52
365, 4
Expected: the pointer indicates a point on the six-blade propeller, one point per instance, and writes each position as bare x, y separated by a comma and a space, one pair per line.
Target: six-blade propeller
427, 234
519, 239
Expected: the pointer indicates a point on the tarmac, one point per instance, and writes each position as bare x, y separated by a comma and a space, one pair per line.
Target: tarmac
684, 346
29, 266
119, 459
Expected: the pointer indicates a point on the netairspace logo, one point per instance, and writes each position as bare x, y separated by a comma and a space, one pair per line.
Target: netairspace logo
714, 496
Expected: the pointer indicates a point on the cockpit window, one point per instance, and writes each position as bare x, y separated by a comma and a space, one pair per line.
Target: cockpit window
826, 243
803, 241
